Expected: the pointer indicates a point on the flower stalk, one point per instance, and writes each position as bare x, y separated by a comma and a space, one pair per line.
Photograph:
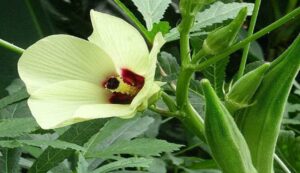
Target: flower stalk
11, 47
250, 32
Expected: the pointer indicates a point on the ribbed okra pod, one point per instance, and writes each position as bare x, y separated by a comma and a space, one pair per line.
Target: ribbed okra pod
227, 144
260, 123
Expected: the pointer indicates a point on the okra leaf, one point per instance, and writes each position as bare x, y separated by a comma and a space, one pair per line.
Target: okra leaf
216, 74
78, 134
139, 146
152, 10
17, 126
215, 14
39, 143
9, 161
125, 163
288, 148
117, 130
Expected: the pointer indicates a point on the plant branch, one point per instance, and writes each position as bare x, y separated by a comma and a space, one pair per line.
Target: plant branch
281, 164
250, 33
11, 47
163, 112
244, 42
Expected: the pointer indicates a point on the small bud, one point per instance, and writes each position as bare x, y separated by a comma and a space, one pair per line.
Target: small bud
244, 89
222, 38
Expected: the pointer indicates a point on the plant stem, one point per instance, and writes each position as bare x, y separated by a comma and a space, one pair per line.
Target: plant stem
244, 42
171, 104
184, 30
187, 149
163, 112
11, 47
182, 91
281, 164
193, 121
250, 33
135, 20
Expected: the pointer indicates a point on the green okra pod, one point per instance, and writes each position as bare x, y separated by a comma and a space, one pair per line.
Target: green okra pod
260, 123
241, 93
217, 41
227, 144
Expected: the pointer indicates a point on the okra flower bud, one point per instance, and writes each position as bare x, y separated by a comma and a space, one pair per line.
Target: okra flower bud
227, 144
243, 90
222, 38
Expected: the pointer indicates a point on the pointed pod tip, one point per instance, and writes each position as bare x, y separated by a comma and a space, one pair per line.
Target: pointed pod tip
205, 82
207, 89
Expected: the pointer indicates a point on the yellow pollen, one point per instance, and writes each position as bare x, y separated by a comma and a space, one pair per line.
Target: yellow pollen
124, 88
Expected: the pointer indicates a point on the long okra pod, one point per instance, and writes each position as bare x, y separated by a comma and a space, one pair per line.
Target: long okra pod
227, 144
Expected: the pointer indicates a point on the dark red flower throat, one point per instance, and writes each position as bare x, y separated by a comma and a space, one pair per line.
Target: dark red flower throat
125, 87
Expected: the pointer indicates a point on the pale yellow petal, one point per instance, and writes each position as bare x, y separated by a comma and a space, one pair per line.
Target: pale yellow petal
54, 106
62, 57
104, 110
121, 41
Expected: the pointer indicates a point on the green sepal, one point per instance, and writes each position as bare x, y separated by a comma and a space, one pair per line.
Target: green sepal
227, 144
154, 98
243, 90
220, 39
260, 123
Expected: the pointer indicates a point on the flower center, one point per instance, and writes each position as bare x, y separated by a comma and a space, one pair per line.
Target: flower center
125, 87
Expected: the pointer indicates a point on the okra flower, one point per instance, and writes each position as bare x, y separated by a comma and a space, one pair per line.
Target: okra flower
71, 80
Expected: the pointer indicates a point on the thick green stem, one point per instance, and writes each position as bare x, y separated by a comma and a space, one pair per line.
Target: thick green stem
189, 117
182, 91
244, 42
184, 30
192, 120
169, 102
250, 32
11, 47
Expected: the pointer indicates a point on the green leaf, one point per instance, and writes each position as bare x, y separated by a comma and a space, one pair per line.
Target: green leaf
78, 134
40, 143
15, 97
152, 10
17, 110
216, 75
17, 126
168, 66
9, 162
82, 164
125, 163
139, 146
216, 13
288, 148
163, 27
117, 130
158, 166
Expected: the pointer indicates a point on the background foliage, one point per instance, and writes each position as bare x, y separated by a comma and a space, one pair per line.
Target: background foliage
139, 144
